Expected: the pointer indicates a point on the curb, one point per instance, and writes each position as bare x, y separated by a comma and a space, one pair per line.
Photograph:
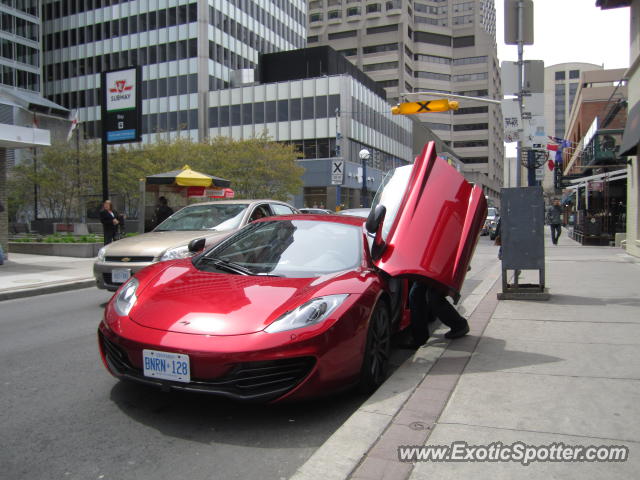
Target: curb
349, 445
47, 288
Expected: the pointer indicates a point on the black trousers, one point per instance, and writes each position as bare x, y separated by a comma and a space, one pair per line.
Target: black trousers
556, 230
110, 233
426, 305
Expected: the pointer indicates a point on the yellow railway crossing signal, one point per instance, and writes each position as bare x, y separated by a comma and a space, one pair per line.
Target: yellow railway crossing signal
432, 106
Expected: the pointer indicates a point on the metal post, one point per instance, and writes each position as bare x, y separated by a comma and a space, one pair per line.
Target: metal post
105, 171
364, 194
520, 93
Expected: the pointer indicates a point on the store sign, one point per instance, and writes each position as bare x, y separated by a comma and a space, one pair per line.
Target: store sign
121, 105
337, 172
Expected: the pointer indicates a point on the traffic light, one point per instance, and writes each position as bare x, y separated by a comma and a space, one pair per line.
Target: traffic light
409, 108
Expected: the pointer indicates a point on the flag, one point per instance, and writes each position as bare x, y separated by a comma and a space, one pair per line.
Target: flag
74, 123
556, 139
565, 144
559, 157
36, 122
551, 164
552, 147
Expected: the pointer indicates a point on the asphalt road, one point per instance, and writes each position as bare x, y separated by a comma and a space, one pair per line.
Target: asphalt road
63, 416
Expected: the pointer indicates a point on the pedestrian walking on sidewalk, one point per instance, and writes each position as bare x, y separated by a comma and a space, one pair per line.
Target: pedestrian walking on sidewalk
426, 305
554, 219
110, 221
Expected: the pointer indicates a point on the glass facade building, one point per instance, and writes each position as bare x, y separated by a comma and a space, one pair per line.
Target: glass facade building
20, 44
186, 48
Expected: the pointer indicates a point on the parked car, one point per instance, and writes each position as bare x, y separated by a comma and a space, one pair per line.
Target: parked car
213, 221
356, 212
315, 211
491, 221
296, 306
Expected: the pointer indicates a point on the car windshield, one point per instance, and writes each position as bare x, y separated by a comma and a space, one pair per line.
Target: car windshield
287, 248
205, 217
491, 212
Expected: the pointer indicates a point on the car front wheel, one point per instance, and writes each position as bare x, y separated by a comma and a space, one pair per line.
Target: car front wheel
375, 363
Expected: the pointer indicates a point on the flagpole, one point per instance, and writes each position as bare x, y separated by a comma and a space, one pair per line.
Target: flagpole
520, 93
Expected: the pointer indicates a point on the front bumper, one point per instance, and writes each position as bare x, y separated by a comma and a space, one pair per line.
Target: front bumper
257, 367
102, 272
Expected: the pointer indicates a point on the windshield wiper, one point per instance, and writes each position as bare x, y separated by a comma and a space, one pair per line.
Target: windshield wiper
227, 265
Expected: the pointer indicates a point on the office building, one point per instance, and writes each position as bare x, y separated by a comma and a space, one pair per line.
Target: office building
447, 46
186, 48
318, 101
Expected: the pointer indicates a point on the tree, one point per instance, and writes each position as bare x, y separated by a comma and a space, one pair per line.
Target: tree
63, 175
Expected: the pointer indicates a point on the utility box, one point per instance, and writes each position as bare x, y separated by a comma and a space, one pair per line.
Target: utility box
522, 235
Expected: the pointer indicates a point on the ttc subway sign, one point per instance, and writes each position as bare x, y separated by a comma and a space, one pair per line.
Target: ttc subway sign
337, 172
121, 105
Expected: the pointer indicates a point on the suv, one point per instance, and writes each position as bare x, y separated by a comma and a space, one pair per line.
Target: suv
213, 221
490, 222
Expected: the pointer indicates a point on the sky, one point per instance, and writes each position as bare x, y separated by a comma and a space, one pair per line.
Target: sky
571, 31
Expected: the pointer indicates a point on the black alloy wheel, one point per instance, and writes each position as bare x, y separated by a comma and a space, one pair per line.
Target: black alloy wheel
375, 363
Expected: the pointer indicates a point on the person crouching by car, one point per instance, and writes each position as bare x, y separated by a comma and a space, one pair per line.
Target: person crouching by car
110, 222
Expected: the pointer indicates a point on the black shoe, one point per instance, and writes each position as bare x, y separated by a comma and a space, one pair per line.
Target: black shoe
461, 332
409, 343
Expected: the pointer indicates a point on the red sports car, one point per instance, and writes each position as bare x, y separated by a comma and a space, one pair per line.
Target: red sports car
296, 306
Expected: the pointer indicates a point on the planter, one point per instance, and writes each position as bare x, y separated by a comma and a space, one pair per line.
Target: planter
82, 250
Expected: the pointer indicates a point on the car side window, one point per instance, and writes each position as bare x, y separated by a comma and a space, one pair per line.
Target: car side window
280, 209
260, 211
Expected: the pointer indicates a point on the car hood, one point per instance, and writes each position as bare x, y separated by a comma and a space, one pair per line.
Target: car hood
152, 244
186, 300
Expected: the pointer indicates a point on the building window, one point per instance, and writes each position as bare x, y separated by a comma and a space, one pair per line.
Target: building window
560, 76
349, 52
353, 11
432, 59
470, 77
471, 143
433, 76
470, 126
433, 38
334, 14
574, 74
315, 4
470, 60
315, 17
573, 88
388, 83
471, 110
382, 29
468, 41
313, 39
345, 34
394, 5
374, 8
333, 3
387, 47
379, 66
474, 159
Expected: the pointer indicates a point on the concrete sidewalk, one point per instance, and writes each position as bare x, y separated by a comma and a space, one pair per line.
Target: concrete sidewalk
26, 275
562, 371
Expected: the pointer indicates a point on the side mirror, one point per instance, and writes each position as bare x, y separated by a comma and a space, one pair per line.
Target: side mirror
375, 218
196, 245
374, 227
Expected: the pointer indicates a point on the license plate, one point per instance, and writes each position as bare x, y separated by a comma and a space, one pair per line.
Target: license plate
167, 366
120, 275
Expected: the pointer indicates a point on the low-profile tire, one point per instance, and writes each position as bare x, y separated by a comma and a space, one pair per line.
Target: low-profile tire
375, 362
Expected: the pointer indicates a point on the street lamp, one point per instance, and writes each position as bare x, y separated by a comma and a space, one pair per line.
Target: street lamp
364, 156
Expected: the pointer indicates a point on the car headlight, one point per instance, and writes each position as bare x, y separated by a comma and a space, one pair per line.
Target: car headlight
102, 253
310, 313
126, 298
175, 253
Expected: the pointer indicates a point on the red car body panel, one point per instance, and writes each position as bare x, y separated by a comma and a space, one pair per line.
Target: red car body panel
218, 319
436, 229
